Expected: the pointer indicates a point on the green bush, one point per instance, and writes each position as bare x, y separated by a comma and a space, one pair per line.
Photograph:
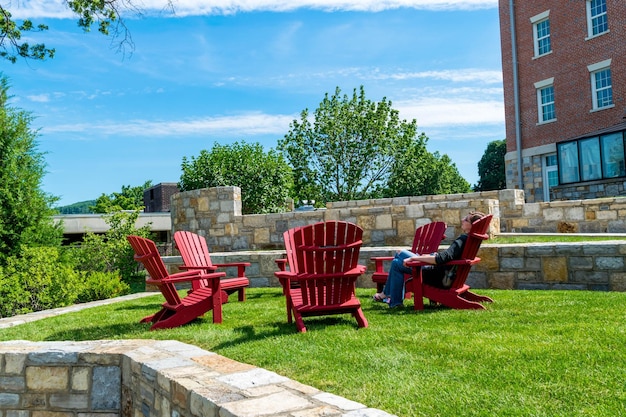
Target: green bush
37, 279
102, 285
111, 252
41, 278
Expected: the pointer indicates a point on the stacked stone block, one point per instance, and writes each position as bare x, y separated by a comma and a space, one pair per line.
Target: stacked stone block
148, 378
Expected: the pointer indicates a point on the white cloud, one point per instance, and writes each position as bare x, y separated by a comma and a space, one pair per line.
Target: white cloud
58, 8
463, 75
39, 98
451, 111
231, 126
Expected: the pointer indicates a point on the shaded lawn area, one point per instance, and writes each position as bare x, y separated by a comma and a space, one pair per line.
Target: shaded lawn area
531, 353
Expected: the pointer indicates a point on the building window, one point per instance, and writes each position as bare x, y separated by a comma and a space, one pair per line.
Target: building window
545, 101
592, 158
597, 21
541, 33
601, 85
613, 164
568, 162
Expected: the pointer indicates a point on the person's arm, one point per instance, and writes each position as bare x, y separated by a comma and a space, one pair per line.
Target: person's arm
429, 259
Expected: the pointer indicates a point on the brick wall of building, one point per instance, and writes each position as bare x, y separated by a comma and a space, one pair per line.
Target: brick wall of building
572, 52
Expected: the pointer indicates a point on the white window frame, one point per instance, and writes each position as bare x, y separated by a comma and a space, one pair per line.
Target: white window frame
590, 20
539, 86
594, 70
547, 169
536, 20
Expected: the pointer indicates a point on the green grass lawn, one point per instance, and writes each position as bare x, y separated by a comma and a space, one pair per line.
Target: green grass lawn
531, 353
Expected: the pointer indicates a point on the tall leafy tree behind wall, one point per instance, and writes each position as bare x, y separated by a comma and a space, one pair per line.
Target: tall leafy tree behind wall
264, 177
353, 148
130, 198
25, 209
491, 168
346, 148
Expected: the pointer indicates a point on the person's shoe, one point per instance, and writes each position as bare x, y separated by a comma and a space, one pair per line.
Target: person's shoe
379, 297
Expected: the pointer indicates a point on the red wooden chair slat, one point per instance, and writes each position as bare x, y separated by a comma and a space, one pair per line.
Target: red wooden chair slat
458, 295
323, 269
195, 253
177, 311
427, 240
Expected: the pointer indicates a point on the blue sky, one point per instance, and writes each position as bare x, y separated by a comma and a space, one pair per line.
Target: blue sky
242, 71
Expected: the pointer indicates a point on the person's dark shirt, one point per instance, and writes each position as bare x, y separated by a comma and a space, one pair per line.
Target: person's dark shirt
454, 251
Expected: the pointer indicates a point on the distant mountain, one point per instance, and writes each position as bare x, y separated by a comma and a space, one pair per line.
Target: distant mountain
78, 208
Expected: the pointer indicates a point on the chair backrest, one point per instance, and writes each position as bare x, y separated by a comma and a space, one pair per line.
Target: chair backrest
147, 253
428, 238
475, 237
193, 249
323, 248
320, 255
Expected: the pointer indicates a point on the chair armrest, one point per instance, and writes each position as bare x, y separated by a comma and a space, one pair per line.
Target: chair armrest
187, 276
241, 267
281, 263
197, 267
464, 261
379, 262
285, 278
411, 264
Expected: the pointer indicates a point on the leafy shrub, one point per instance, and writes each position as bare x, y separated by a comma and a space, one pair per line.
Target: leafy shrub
41, 278
102, 285
37, 279
111, 252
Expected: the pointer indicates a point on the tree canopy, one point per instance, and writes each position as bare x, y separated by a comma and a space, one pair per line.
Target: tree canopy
353, 148
106, 15
347, 150
25, 210
130, 198
264, 177
491, 168
419, 172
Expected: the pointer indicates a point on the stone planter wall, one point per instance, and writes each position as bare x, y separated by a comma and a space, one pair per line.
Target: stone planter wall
598, 266
150, 378
215, 213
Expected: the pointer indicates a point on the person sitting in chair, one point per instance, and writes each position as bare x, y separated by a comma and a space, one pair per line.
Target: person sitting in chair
436, 274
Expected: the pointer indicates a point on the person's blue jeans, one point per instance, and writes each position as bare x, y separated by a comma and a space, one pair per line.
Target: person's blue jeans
394, 288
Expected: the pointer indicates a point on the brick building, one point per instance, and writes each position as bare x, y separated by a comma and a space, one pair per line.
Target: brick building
564, 73
156, 199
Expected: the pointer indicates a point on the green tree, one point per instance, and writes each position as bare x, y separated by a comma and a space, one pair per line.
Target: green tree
264, 178
104, 14
130, 198
491, 169
348, 150
25, 210
419, 172
111, 252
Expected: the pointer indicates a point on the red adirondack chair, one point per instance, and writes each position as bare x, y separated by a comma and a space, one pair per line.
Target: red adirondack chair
458, 295
427, 240
177, 311
323, 269
195, 253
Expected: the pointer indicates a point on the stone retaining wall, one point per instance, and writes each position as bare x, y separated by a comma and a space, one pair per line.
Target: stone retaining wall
215, 213
580, 266
149, 378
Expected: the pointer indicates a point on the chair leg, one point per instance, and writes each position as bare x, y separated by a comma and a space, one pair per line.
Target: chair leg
418, 290
216, 299
360, 318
